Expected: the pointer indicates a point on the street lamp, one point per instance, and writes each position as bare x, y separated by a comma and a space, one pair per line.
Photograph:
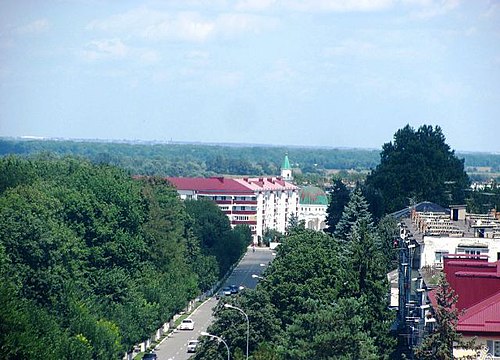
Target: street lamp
228, 306
203, 333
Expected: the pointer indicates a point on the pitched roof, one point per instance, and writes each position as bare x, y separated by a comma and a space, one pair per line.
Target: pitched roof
484, 317
228, 185
213, 184
424, 206
286, 164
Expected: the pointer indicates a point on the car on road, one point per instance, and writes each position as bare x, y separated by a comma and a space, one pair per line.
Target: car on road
226, 291
187, 324
191, 346
234, 289
150, 356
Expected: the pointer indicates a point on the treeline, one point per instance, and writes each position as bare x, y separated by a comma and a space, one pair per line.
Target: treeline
208, 160
323, 297
197, 159
92, 261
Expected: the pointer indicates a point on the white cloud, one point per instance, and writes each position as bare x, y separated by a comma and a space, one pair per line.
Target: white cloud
231, 24
186, 26
105, 49
493, 10
281, 72
340, 5
371, 50
149, 56
115, 49
35, 27
254, 5
430, 9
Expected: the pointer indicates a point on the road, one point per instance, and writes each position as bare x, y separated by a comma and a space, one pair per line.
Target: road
174, 346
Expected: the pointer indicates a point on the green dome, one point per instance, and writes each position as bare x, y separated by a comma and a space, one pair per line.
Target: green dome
312, 195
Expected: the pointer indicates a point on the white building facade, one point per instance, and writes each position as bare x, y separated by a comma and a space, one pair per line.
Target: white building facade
261, 203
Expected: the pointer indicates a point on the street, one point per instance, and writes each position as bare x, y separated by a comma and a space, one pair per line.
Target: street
174, 347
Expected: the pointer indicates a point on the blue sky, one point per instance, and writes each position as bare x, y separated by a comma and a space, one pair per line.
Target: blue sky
337, 73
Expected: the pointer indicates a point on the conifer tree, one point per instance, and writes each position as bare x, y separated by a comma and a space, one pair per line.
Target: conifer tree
339, 198
355, 210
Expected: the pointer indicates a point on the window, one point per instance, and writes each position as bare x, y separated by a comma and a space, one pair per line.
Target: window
469, 250
493, 347
439, 255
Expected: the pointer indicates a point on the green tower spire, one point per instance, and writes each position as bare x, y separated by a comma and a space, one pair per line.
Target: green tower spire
286, 163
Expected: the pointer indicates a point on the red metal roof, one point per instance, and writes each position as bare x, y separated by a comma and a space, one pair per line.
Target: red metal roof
229, 185
215, 185
483, 317
477, 285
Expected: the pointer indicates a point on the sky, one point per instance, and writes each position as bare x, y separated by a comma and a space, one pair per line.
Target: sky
334, 73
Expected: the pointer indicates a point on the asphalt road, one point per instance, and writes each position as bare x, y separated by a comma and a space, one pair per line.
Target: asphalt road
174, 347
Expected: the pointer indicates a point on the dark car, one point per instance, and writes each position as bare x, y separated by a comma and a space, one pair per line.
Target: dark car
234, 289
150, 356
226, 291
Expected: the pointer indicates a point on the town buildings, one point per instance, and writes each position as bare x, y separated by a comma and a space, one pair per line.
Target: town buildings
313, 203
467, 248
262, 203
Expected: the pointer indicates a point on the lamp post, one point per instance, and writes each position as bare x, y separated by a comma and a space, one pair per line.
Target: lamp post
203, 333
228, 306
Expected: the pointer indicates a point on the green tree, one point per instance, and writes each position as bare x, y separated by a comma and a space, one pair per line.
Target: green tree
339, 197
440, 343
365, 271
330, 332
418, 166
355, 210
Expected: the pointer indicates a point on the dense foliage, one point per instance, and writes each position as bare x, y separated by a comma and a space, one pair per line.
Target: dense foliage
175, 159
217, 238
417, 166
339, 197
91, 260
198, 159
481, 201
322, 297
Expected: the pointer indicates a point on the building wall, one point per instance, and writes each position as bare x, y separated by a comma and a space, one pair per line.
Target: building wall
314, 216
435, 244
482, 341
267, 204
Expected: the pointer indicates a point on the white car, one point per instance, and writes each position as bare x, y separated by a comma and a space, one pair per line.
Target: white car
191, 347
187, 324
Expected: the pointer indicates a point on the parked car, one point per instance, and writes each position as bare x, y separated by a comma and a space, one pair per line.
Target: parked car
227, 291
150, 356
191, 347
234, 289
187, 324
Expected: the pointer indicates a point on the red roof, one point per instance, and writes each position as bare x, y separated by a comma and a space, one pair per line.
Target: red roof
477, 285
212, 185
483, 317
222, 185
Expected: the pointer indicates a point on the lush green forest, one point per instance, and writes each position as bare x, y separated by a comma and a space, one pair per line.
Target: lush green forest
323, 297
92, 261
207, 160
198, 159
